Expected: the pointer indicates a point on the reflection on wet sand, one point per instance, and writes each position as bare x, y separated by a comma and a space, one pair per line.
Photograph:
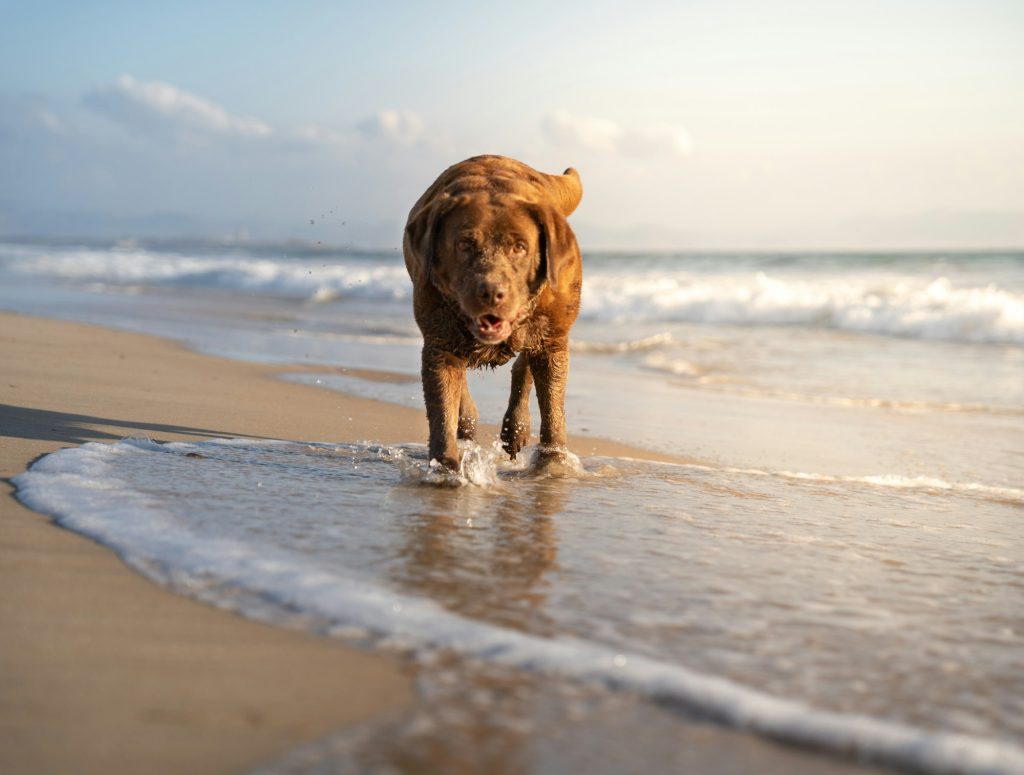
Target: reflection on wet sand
484, 554
481, 553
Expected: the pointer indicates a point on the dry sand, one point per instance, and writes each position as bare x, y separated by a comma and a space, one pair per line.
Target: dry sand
103, 671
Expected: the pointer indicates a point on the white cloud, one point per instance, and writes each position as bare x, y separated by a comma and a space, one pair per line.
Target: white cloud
164, 111
26, 116
657, 140
388, 128
156, 107
318, 136
398, 126
563, 128
600, 134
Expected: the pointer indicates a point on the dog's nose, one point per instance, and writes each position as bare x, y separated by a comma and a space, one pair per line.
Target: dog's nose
490, 292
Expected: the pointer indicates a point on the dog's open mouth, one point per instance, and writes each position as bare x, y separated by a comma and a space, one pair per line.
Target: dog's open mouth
491, 328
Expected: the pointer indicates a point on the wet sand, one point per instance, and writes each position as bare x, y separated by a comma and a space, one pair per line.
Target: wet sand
101, 670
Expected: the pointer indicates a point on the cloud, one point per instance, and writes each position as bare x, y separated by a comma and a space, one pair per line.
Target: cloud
321, 137
600, 134
163, 111
20, 116
153, 107
398, 126
387, 129
656, 140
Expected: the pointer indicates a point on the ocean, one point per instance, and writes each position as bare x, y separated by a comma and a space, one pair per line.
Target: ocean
838, 563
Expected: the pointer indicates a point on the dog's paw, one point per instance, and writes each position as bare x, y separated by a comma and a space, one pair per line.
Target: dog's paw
515, 433
555, 462
445, 464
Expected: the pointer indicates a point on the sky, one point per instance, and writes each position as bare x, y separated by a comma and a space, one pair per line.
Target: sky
770, 125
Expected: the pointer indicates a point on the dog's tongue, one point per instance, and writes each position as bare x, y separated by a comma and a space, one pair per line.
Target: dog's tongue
492, 327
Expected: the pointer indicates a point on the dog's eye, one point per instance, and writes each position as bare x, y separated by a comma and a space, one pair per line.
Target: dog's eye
464, 245
519, 248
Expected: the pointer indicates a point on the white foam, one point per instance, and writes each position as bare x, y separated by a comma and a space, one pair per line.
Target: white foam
653, 342
680, 367
677, 367
80, 489
905, 299
897, 305
1010, 495
897, 481
317, 279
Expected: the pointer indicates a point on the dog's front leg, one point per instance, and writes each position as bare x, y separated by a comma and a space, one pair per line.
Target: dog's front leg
550, 369
443, 378
468, 414
515, 427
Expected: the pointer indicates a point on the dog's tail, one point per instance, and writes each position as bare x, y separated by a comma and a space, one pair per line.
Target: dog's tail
567, 190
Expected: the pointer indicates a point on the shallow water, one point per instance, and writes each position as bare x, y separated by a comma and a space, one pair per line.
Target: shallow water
899, 600
848, 365
843, 570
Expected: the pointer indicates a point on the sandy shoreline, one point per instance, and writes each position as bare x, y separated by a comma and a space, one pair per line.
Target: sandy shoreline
101, 670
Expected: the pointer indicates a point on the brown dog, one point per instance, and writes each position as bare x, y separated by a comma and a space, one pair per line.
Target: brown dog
496, 271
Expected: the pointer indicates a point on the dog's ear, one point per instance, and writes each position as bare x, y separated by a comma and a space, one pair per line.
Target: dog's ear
557, 242
421, 232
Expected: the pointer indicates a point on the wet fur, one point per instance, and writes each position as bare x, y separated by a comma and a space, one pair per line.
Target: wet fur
470, 197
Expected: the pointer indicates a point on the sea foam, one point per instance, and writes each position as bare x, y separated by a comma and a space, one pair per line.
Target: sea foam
82, 488
915, 307
315, 279
892, 297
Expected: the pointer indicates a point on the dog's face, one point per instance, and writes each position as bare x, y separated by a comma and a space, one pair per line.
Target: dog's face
490, 253
488, 235
489, 259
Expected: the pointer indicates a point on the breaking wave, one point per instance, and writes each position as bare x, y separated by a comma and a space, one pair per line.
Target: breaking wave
920, 308
950, 302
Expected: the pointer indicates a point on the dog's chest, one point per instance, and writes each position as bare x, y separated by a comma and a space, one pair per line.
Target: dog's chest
527, 336
446, 328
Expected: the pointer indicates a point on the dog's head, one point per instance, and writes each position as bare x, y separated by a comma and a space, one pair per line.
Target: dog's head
492, 251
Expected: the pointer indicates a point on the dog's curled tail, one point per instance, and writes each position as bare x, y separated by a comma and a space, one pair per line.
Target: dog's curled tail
567, 190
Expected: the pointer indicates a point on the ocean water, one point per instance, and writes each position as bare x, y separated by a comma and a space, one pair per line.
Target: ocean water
841, 567
862, 617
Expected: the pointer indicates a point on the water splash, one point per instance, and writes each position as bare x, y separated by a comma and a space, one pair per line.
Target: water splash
478, 467
486, 467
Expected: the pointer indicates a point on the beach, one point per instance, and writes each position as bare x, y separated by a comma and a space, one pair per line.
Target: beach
102, 670
790, 470
759, 268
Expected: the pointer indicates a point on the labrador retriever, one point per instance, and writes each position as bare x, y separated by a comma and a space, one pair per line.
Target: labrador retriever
496, 273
